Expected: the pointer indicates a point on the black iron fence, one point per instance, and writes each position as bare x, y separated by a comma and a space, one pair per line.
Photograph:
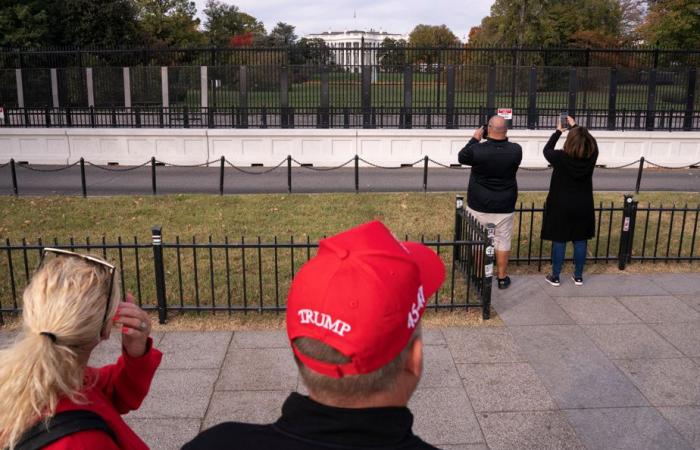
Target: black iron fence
451, 96
343, 55
230, 275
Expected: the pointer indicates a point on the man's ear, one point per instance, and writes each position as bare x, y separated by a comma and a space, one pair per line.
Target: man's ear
414, 361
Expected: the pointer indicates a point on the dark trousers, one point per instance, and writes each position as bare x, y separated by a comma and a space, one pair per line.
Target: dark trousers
558, 252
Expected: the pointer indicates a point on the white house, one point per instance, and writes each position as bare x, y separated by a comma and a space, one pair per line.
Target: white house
346, 45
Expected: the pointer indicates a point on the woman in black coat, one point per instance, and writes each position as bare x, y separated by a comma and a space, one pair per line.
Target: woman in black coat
569, 214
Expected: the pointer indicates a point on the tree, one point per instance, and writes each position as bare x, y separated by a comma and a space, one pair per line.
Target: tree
169, 23
282, 34
392, 54
23, 24
673, 23
226, 21
633, 13
434, 37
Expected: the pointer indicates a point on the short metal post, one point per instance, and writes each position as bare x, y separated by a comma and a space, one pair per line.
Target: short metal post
457, 249
82, 176
357, 174
625, 243
159, 271
13, 171
221, 176
425, 174
289, 173
639, 175
153, 174
488, 271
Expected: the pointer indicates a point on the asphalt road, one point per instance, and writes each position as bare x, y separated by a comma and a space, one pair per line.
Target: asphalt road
172, 180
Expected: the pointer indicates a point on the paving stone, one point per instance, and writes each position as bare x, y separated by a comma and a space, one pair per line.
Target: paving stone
604, 285
108, 351
244, 406
527, 304
665, 382
444, 416
697, 361
194, 350
432, 336
685, 419
165, 434
691, 300
7, 338
260, 339
438, 368
178, 394
576, 373
504, 387
528, 430
660, 309
255, 369
482, 345
684, 336
596, 310
631, 341
678, 283
625, 428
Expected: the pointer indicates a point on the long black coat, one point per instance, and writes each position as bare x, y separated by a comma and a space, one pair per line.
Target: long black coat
569, 214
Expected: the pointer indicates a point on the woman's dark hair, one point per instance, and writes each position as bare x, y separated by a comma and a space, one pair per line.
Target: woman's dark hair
580, 144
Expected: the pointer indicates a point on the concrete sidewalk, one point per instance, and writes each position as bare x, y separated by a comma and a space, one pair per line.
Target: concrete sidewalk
612, 364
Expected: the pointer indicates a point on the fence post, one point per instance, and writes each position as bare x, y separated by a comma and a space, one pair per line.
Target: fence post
366, 98
324, 120
13, 171
221, 176
126, 77
357, 174
651, 100
573, 91
532, 119
639, 175
159, 271
82, 176
54, 87
450, 100
491, 92
20, 88
284, 96
289, 173
457, 249
690, 99
243, 97
153, 174
488, 272
612, 99
90, 86
425, 174
408, 96
626, 237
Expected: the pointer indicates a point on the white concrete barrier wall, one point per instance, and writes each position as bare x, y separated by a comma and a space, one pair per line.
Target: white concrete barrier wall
313, 146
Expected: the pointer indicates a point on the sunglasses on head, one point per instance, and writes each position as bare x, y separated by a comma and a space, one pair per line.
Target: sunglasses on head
91, 259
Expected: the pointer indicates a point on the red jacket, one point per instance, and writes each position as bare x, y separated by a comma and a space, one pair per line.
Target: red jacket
111, 391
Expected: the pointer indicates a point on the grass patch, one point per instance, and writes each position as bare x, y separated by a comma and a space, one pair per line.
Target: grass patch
246, 278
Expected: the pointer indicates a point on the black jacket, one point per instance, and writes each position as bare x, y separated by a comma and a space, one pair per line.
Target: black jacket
307, 425
569, 214
492, 184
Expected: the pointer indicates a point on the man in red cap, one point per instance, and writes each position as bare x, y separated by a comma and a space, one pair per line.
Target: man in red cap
353, 321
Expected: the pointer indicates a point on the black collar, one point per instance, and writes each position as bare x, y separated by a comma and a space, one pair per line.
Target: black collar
489, 138
379, 427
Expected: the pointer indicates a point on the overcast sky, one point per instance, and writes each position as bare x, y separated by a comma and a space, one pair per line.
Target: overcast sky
395, 16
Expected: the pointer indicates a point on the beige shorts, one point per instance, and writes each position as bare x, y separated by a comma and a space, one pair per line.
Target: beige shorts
504, 227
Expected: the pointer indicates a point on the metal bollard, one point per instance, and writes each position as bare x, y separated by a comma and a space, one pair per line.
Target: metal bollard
159, 271
13, 171
488, 272
221, 176
639, 175
82, 176
153, 174
289, 173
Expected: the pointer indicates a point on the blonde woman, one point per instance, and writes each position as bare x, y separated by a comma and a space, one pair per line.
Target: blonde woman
69, 306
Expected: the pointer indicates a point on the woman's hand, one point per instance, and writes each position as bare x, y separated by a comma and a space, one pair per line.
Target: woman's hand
136, 327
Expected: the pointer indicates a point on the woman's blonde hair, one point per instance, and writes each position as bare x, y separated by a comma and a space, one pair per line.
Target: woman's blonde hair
66, 298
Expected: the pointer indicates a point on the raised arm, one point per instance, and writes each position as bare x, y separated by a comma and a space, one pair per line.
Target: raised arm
466, 155
549, 146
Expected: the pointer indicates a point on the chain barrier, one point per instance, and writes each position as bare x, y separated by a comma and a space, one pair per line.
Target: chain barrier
445, 166
36, 169
672, 168
110, 169
323, 169
622, 166
204, 164
3, 165
248, 172
534, 169
403, 166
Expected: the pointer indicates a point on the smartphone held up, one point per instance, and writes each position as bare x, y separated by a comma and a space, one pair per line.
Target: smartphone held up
563, 119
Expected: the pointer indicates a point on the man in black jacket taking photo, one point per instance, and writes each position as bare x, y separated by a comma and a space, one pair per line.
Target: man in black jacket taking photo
493, 189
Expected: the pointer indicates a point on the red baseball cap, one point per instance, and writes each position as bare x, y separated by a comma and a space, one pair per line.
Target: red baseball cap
362, 294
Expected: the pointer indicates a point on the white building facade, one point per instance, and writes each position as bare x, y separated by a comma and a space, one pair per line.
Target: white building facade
347, 44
